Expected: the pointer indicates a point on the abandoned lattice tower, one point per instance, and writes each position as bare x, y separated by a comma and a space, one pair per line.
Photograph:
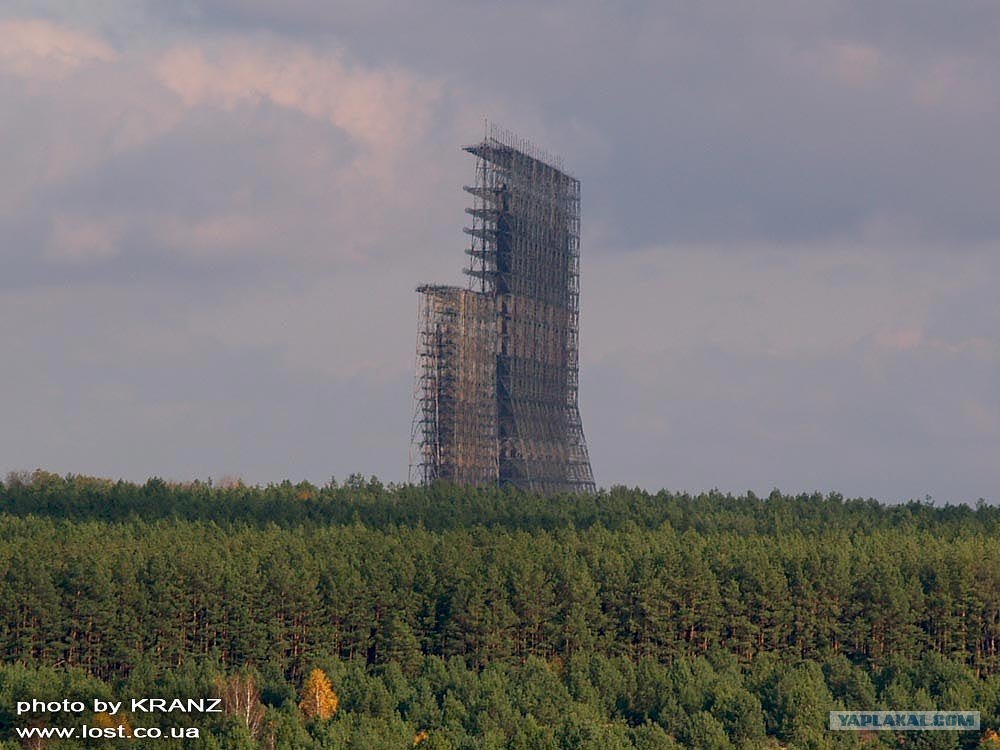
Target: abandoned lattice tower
497, 362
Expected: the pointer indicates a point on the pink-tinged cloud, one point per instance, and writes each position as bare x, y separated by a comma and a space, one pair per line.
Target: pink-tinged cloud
956, 83
223, 234
900, 339
40, 49
951, 82
856, 65
382, 109
982, 417
328, 187
79, 239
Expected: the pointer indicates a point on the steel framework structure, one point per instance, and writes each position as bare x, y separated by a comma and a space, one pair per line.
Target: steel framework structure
455, 430
523, 274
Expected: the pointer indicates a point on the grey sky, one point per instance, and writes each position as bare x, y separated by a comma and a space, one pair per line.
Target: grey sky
215, 213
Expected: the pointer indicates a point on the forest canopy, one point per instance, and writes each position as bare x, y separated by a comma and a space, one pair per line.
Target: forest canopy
457, 618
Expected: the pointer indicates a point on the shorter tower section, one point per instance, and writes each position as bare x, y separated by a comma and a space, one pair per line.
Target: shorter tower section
455, 425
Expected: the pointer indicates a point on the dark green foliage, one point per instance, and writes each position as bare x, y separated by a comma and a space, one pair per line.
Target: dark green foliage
278, 598
442, 507
490, 619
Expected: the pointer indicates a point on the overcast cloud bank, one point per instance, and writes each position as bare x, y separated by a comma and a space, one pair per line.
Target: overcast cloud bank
214, 215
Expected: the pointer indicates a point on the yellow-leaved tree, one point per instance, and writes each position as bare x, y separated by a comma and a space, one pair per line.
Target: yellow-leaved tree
104, 720
318, 699
990, 741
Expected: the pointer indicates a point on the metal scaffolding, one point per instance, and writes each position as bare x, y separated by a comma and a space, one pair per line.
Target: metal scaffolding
455, 426
524, 270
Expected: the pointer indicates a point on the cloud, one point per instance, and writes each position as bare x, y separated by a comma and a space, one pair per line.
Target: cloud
33, 47
900, 339
983, 418
219, 212
956, 84
81, 238
386, 110
816, 366
225, 149
788, 302
856, 65
63, 129
218, 235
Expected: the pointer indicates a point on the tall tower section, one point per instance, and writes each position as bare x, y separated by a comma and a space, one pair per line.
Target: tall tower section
524, 267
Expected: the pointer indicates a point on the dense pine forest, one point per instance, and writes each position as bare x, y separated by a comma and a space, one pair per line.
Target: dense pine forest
365, 616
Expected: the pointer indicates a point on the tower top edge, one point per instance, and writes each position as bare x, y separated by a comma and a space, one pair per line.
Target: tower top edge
499, 139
